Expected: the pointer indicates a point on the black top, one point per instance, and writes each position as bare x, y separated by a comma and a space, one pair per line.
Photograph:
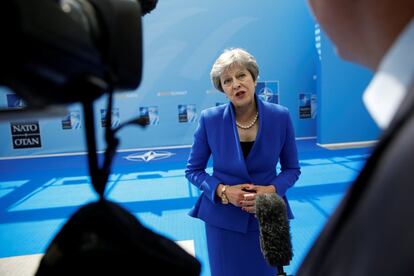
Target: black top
246, 147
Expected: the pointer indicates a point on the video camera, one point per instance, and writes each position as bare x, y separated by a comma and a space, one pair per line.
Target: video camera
51, 48
59, 52
56, 52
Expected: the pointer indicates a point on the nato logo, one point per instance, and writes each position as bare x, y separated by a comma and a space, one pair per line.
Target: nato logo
268, 91
314, 106
26, 135
182, 113
304, 105
72, 120
149, 156
115, 117
187, 113
150, 114
14, 101
191, 113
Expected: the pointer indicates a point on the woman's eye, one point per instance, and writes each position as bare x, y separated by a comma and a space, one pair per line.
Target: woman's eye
242, 75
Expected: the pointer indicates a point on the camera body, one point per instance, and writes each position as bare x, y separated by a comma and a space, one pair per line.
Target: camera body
53, 51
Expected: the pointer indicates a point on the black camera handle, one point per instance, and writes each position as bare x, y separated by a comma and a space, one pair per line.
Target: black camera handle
100, 174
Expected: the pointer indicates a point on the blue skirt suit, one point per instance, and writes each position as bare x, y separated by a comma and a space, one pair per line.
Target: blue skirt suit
232, 234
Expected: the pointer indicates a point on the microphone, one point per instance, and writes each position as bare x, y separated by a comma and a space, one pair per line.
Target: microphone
275, 239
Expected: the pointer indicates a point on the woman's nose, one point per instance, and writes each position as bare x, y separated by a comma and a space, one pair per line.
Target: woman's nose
236, 83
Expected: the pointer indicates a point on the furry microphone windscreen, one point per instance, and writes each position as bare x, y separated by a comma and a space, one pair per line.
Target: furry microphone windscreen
275, 239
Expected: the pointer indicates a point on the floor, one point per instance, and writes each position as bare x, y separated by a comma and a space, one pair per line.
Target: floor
37, 196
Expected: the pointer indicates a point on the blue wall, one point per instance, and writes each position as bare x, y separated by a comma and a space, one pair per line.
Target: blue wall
181, 42
342, 116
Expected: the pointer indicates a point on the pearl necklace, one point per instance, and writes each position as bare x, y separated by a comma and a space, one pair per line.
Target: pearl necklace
249, 125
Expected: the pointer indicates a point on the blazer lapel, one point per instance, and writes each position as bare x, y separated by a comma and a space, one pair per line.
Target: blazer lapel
261, 110
230, 121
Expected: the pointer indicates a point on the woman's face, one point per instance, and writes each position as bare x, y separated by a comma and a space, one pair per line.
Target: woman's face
238, 85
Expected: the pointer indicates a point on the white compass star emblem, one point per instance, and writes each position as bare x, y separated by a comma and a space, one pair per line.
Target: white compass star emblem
149, 156
266, 94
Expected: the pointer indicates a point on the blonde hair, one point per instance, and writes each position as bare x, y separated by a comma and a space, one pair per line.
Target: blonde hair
229, 58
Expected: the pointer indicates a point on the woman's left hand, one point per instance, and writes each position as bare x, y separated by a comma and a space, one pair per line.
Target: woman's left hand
248, 204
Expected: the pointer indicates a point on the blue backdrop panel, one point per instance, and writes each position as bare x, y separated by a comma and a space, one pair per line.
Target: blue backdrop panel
342, 114
181, 41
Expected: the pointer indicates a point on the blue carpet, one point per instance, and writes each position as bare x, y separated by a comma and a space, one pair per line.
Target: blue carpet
38, 195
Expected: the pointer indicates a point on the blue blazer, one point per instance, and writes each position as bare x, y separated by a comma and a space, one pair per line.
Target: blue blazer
216, 136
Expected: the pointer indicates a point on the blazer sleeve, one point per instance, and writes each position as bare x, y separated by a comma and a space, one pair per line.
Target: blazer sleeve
197, 163
290, 169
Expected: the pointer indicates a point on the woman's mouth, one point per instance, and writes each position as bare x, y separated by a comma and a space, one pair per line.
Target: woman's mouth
240, 94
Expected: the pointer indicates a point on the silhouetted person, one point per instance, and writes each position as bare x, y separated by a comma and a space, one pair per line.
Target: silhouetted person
371, 232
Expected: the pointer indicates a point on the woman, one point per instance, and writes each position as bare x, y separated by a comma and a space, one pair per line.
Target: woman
246, 138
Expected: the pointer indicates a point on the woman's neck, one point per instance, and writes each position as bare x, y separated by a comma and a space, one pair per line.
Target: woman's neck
246, 113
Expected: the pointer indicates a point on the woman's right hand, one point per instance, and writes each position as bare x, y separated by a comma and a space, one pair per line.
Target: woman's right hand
235, 193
